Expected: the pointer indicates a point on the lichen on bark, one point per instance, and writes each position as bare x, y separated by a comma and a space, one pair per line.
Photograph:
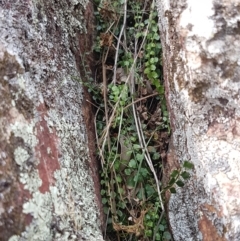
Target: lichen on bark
47, 190
201, 65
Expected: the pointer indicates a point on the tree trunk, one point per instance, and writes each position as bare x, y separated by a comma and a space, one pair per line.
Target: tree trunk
201, 49
47, 177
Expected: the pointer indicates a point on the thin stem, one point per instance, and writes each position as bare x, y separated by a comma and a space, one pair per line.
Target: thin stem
119, 40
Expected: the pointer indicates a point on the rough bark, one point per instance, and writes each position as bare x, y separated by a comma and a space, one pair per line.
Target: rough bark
201, 49
47, 191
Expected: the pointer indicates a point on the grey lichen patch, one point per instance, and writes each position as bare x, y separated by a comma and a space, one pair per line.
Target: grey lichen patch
69, 17
185, 205
224, 162
68, 211
30, 179
74, 175
25, 130
20, 156
203, 92
39, 208
40, 34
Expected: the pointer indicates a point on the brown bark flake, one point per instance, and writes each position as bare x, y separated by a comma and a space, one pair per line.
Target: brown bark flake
47, 151
208, 230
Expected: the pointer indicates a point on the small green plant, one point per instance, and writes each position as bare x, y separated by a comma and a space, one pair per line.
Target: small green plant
153, 53
132, 123
178, 177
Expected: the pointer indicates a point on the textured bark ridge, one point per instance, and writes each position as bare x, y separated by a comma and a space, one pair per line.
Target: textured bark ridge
47, 191
201, 46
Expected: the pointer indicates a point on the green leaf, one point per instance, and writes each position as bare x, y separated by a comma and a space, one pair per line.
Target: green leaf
104, 200
136, 25
153, 45
152, 60
153, 22
147, 56
121, 190
119, 212
150, 224
155, 75
132, 163
113, 195
144, 172
156, 36
128, 171
121, 205
167, 235
161, 227
175, 173
154, 29
160, 90
109, 220
119, 179
173, 190
148, 47
136, 146
148, 233
156, 156
147, 71
137, 17
103, 182
140, 194
165, 113
149, 190
139, 157
185, 175
136, 178
153, 67
111, 97
188, 165
130, 182
157, 237
115, 89
133, 139
172, 181
139, 34
116, 165
180, 183
147, 216
103, 192
105, 209
99, 27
